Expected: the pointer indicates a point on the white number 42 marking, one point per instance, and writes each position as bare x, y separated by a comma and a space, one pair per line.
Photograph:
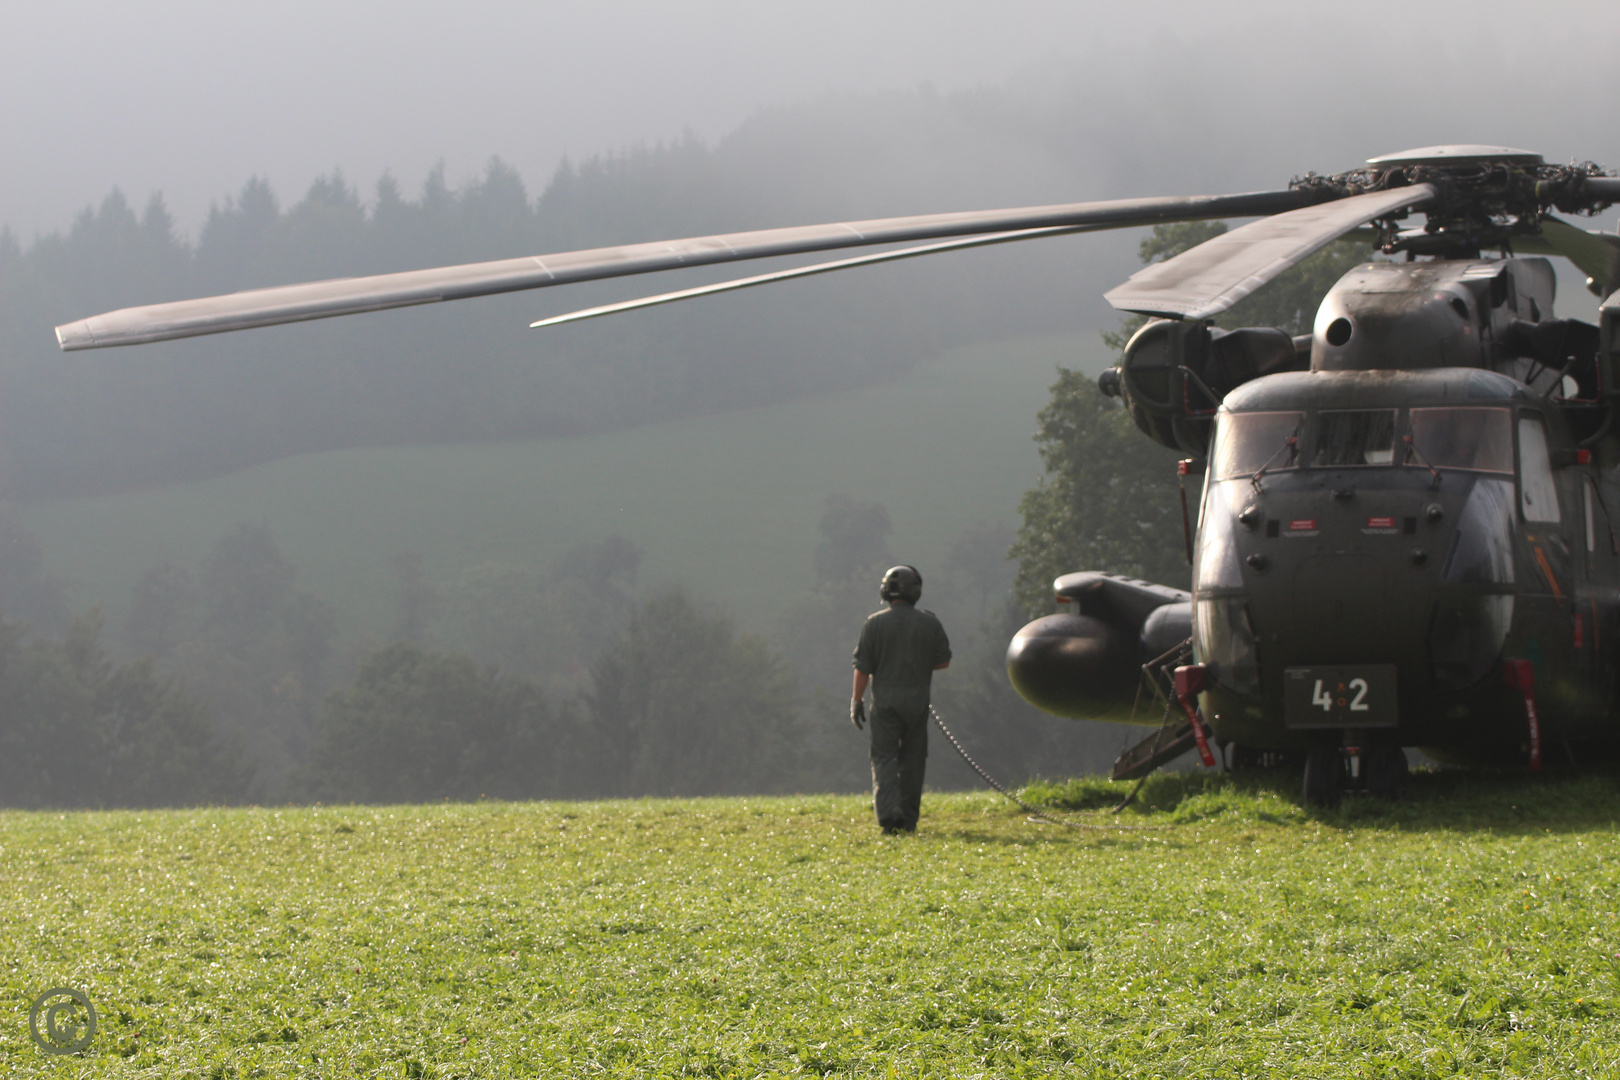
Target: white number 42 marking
1323, 698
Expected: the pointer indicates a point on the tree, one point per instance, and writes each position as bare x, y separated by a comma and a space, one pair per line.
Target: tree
247, 583
498, 612
682, 704
419, 726
849, 561
160, 610
79, 730
978, 567
1108, 500
419, 601
854, 542
27, 593
543, 623
252, 646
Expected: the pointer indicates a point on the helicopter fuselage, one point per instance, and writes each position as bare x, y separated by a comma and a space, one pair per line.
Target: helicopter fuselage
1404, 538
1374, 544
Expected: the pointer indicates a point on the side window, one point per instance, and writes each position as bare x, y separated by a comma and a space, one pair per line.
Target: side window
1538, 495
1469, 437
1245, 443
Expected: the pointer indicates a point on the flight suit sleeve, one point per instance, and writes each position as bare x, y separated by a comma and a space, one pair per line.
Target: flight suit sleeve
866, 650
942, 645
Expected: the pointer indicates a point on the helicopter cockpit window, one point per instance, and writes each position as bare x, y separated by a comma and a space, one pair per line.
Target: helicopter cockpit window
1247, 442
1538, 495
1355, 437
1464, 438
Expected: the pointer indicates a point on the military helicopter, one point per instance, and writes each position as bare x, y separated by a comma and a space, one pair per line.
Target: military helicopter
1405, 536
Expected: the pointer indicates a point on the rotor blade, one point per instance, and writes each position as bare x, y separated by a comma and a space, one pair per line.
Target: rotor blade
1207, 279
802, 271
346, 296
1603, 187
1596, 254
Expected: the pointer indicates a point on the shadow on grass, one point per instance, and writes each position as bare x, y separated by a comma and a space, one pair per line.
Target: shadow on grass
1448, 799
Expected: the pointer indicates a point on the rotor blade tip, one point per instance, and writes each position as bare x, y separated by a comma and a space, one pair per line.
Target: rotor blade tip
75, 335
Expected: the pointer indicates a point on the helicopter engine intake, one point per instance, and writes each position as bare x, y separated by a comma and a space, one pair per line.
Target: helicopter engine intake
1175, 373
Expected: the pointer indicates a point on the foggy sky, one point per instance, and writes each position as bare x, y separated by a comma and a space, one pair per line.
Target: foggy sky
191, 97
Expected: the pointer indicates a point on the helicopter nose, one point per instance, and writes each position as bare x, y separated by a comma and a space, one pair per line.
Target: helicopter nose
1356, 607
1342, 569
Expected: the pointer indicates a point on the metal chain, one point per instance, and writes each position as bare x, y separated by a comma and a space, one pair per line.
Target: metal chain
1034, 812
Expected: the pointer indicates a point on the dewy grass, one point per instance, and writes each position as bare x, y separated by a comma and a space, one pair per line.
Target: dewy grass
1471, 931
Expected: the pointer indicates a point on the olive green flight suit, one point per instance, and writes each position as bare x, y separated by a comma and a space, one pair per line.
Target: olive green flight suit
900, 647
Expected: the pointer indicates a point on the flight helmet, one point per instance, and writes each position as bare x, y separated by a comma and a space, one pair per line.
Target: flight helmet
901, 583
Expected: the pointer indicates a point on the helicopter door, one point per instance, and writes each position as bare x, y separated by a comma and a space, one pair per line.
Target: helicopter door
1538, 493
1600, 602
1589, 511
1548, 550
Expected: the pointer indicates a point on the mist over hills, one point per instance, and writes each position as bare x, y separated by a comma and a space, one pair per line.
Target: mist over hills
86, 424
426, 556
472, 371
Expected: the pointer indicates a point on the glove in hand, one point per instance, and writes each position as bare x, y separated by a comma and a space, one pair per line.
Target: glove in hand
857, 713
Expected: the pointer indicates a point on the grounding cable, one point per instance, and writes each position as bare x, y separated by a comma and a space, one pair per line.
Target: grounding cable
1035, 812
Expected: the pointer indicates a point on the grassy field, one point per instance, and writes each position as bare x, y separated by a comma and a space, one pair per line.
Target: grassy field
1470, 932
726, 505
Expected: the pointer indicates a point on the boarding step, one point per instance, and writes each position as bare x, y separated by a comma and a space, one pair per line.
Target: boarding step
1162, 747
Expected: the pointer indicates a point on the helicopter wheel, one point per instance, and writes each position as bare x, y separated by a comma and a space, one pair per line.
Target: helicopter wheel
1239, 758
1324, 777
1386, 772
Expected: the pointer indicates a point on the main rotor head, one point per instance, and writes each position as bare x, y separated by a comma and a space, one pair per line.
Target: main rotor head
1485, 196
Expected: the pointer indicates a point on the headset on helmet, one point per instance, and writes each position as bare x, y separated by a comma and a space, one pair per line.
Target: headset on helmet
901, 583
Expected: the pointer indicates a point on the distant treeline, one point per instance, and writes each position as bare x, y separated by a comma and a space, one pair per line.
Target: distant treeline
505, 682
567, 680
100, 422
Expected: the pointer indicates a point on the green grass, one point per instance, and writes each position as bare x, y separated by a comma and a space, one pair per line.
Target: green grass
1469, 932
727, 504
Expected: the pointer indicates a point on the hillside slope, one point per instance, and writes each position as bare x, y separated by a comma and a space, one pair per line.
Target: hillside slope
725, 505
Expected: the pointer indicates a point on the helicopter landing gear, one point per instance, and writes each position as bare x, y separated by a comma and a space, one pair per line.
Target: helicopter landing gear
1385, 772
1379, 769
1243, 759
1324, 776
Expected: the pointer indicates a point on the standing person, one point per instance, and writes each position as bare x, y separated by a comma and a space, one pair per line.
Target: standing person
900, 649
